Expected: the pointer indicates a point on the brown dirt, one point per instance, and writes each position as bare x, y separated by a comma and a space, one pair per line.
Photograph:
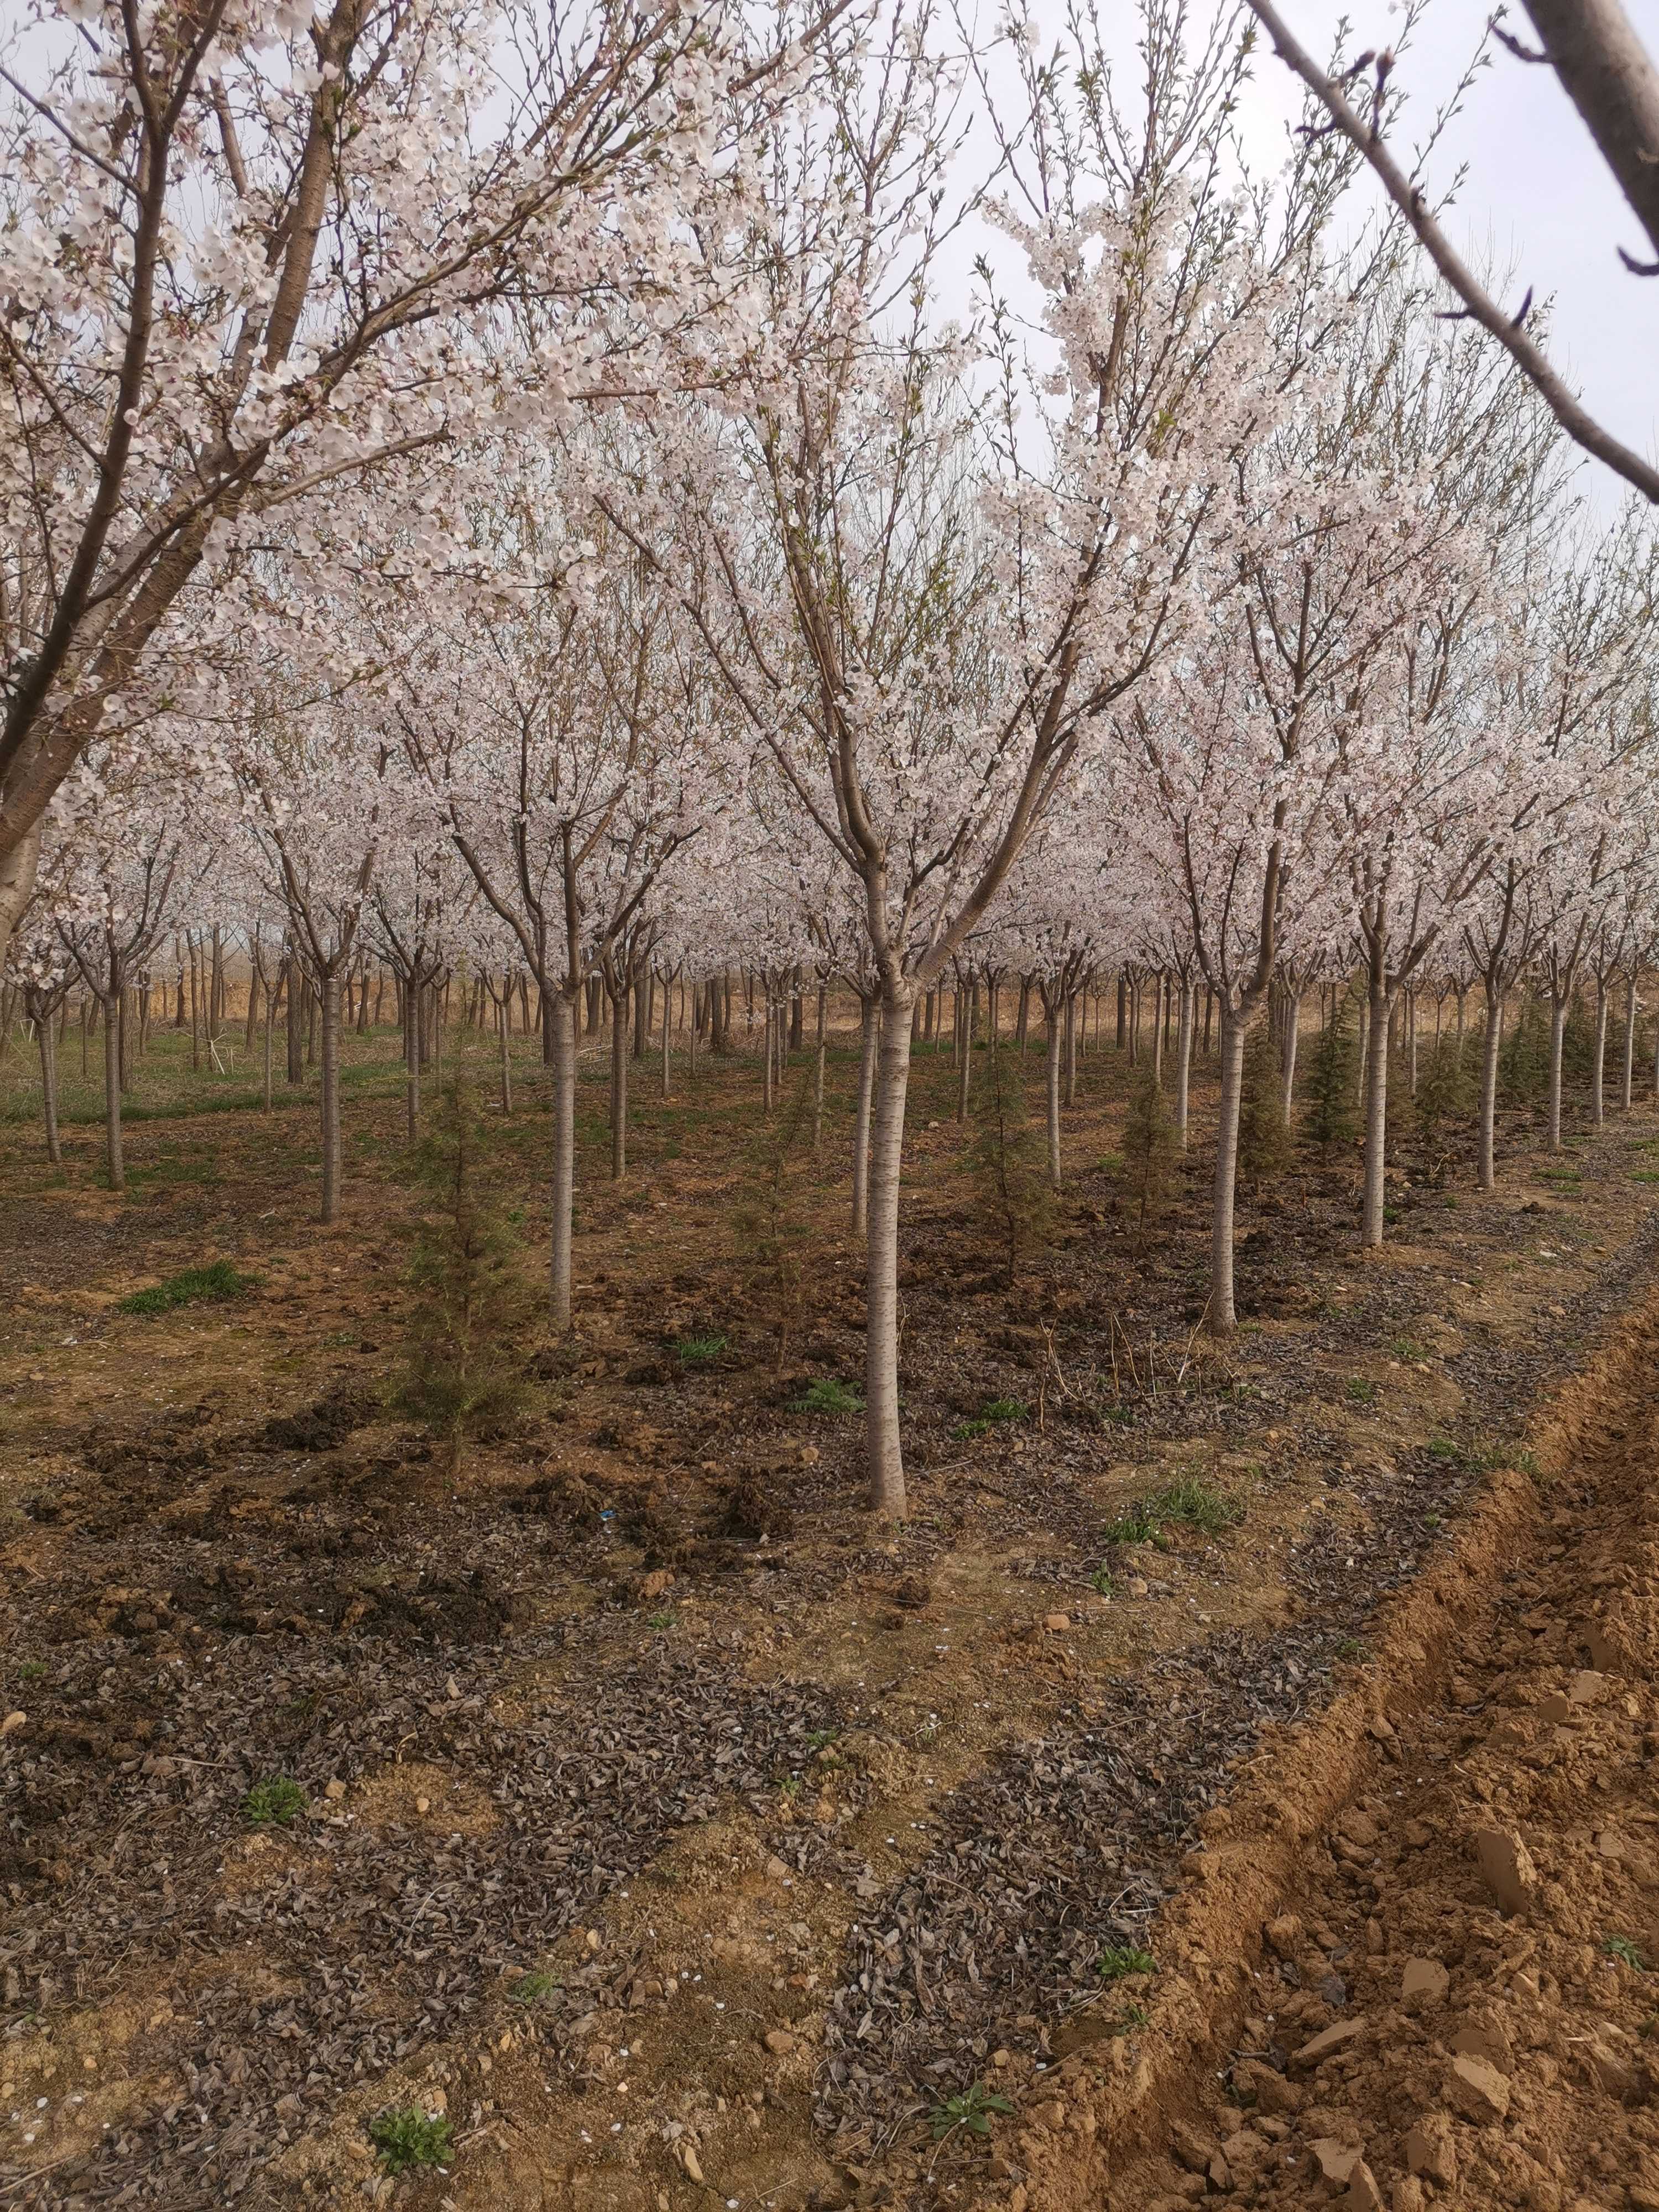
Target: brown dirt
1355, 2011
803, 1827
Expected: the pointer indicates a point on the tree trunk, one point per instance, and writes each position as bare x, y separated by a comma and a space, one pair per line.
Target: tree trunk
1223, 1317
1630, 1045
331, 1096
505, 1018
1051, 1084
1070, 1048
411, 1061
881, 1399
1487, 1166
667, 1020
1157, 1028
965, 1069
264, 1085
1377, 1119
619, 1084
1598, 1062
559, 1015
112, 1160
47, 1036
1022, 1027
867, 1046
1558, 1029
1122, 1008
818, 1070
1287, 1051
1183, 1063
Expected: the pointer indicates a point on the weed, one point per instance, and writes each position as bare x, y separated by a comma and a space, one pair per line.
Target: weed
663, 1620
1441, 1448
789, 1788
274, 1804
1645, 1175
1130, 2017
1351, 1647
1150, 1146
1119, 1960
972, 2110
700, 1351
1000, 1409
1622, 1948
1101, 1580
821, 1739
1431, 1520
1111, 1164
30, 1670
405, 2136
1360, 1391
192, 1286
531, 1989
1407, 1347
1192, 1501
827, 1396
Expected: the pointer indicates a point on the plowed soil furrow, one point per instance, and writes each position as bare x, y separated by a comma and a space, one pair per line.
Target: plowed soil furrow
1413, 1964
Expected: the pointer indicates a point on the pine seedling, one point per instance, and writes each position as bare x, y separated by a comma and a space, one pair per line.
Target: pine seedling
464, 1356
1007, 1158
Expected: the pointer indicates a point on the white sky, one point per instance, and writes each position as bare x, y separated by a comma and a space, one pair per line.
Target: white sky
1536, 196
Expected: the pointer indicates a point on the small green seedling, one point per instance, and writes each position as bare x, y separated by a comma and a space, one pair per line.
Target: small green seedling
1407, 1347
700, 1351
1130, 2017
1622, 1948
274, 1803
789, 1788
1441, 1448
663, 1620
1102, 1581
533, 1988
1118, 1960
972, 2110
1360, 1391
30, 1670
821, 1739
1352, 1647
405, 2136
192, 1286
827, 1396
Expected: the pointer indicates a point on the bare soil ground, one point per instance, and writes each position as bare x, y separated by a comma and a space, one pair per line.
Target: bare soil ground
681, 1836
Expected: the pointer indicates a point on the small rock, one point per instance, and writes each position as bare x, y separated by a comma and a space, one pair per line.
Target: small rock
1358, 1826
1056, 1623
779, 2042
1424, 1982
658, 1580
1284, 1935
1329, 2041
1335, 2159
1611, 1844
1364, 2195
1506, 1868
335, 1791
1194, 2151
776, 1870
1052, 2114
1587, 1688
12, 1722
1556, 1708
1484, 2039
1612, 2072
688, 2161
1136, 1586
1430, 2149
1477, 2088
1417, 1833
1604, 1655
1406, 2195
422, 1805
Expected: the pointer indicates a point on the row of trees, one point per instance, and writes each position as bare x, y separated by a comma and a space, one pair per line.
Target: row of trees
587, 528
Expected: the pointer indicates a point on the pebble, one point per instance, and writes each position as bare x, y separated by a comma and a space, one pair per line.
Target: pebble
1056, 1623
1477, 2088
1424, 1981
12, 1722
1329, 2041
1430, 2150
1364, 2195
779, 2042
1506, 1868
1335, 2159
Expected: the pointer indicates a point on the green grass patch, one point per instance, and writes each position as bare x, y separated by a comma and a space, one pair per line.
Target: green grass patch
700, 1351
1119, 1960
277, 1803
406, 2136
828, 1396
192, 1286
1192, 1501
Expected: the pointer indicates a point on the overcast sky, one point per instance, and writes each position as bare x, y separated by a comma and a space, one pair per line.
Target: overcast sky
1536, 195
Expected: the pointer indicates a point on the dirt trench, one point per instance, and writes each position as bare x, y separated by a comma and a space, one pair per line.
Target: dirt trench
1415, 1961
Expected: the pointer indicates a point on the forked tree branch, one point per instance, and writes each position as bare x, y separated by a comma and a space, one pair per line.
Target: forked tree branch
1508, 330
